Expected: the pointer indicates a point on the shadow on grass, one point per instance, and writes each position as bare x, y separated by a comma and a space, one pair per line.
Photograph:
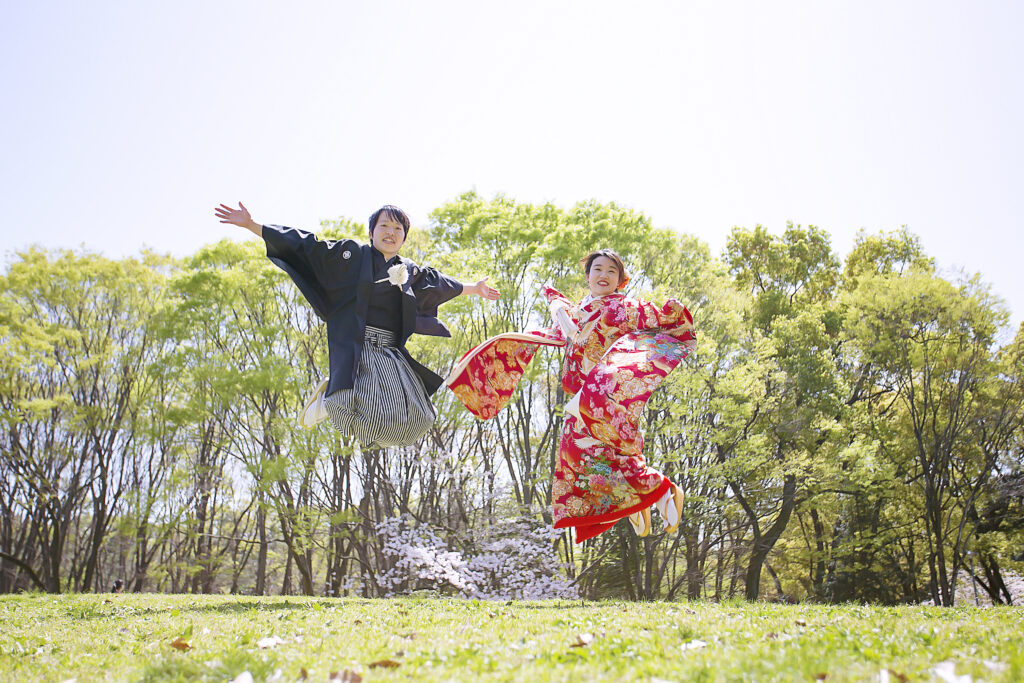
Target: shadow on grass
120, 607
115, 608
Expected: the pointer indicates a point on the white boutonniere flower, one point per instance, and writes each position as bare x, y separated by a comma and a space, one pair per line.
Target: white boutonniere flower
398, 275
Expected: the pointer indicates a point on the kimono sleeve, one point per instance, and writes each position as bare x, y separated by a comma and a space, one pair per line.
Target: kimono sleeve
319, 268
672, 318
562, 312
616, 390
485, 377
432, 288
553, 295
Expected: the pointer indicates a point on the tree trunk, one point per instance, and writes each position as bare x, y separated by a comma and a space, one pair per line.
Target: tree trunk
261, 557
996, 587
940, 587
141, 556
286, 584
53, 559
99, 524
694, 575
818, 564
763, 544
629, 561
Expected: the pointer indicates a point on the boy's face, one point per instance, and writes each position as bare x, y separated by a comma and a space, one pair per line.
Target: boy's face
388, 236
603, 276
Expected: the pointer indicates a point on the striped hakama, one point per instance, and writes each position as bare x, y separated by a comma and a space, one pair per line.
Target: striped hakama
388, 406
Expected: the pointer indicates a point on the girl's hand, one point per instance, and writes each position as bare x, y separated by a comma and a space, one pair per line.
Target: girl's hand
485, 291
239, 217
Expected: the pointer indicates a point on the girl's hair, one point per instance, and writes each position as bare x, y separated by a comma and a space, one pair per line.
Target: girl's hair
392, 212
588, 261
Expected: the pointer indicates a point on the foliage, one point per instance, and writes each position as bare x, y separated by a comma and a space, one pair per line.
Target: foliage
846, 429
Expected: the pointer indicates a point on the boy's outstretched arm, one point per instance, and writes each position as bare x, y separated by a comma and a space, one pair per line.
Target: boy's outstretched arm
482, 290
240, 217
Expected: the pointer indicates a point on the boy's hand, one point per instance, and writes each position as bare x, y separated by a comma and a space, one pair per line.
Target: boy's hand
484, 290
239, 217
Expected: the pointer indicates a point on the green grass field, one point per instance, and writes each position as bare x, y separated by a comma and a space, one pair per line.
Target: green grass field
219, 638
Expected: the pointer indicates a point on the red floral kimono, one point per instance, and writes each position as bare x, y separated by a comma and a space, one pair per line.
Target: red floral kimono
623, 350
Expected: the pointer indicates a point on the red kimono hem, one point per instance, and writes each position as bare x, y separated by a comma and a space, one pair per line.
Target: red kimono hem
588, 527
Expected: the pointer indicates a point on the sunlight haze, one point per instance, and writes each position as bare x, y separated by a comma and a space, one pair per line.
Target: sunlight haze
125, 123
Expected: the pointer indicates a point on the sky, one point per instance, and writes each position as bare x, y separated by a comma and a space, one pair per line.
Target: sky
125, 123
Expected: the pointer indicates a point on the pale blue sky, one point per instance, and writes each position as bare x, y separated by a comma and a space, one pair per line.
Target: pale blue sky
125, 123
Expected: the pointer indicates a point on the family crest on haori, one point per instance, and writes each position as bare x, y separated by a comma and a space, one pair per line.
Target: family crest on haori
619, 350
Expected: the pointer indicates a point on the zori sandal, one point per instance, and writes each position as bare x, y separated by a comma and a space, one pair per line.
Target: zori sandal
314, 413
670, 506
641, 522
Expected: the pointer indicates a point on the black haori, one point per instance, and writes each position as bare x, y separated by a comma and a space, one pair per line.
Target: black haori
388, 405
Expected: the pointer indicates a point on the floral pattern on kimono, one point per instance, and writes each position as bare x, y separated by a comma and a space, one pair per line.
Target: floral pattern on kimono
484, 378
621, 354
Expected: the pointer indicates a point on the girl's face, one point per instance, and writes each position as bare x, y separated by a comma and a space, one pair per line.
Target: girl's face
603, 276
388, 236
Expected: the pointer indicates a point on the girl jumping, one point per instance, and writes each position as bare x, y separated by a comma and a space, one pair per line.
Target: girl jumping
619, 351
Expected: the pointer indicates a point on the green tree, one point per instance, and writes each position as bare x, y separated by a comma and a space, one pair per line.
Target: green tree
77, 340
789, 386
931, 342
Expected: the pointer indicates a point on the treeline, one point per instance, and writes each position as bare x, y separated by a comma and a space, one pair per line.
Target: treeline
846, 430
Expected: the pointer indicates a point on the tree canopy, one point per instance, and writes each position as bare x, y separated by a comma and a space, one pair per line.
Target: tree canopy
847, 429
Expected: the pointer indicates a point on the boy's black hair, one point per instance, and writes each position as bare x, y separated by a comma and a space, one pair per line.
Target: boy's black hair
392, 212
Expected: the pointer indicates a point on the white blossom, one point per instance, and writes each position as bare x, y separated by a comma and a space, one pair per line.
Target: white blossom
512, 559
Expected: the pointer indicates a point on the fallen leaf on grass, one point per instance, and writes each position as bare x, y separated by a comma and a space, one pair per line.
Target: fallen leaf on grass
346, 676
303, 674
801, 622
268, 642
694, 645
886, 676
946, 671
385, 664
357, 622
820, 677
583, 640
179, 644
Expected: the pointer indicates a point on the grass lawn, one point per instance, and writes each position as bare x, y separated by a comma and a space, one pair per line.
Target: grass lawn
219, 638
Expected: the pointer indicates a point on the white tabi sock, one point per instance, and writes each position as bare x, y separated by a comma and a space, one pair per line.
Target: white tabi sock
667, 507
